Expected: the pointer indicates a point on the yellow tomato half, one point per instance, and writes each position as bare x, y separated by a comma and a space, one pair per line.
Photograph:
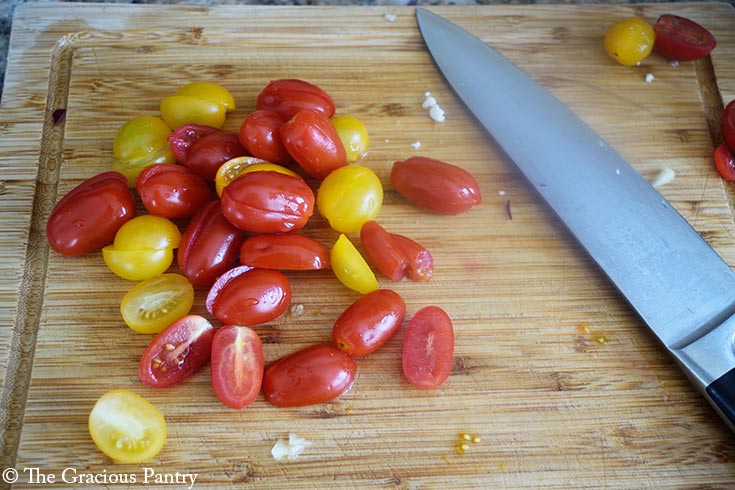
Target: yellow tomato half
139, 143
126, 427
156, 303
629, 41
210, 91
351, 268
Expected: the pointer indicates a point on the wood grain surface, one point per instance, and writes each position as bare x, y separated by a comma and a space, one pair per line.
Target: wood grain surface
563, 383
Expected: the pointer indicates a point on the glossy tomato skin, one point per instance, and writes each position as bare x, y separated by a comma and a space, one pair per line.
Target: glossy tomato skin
349, 196
268, 202
287, 251
350, 267
207, 153
681, 39
311, 139
629, 41
209, 246
725, 162
177, 352
396, 256
237, 365
261, 136
247, 296
184, 136
309, 376
172, 191
368, 323
728, 125
435, 186
288, 96
428, 348
89, 215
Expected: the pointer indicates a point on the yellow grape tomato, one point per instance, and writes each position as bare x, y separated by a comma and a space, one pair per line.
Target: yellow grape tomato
349, 197
210, 91
127, 427
139, 143
351, 268
354, 136
629, 41
154, 304
137, 265
178, 110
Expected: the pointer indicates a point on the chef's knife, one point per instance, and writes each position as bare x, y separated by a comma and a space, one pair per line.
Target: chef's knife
674, 280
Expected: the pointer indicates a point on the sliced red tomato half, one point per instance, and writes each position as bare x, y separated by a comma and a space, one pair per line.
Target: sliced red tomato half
237, 365
681, 39
428, 348
177, 352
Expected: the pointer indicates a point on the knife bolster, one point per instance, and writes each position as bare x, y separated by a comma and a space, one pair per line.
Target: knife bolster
721, 394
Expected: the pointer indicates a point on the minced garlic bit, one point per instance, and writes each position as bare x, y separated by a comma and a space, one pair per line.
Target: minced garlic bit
649, 77
673, 63
665, 176
416, 145
501, 192
435, 112
289, 449
390, 17
297, 309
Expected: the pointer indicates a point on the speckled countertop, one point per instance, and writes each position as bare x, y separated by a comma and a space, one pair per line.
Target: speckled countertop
7, 8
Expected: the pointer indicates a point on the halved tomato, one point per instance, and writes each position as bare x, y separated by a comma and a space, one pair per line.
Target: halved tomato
428, 348
286, 251
351, 268
156, 303
237, 365
126, 427
682, 39
177, 352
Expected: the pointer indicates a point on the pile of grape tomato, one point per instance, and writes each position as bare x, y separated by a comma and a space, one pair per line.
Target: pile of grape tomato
241, 200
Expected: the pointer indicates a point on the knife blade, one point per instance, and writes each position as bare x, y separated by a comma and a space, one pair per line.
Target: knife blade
679, 286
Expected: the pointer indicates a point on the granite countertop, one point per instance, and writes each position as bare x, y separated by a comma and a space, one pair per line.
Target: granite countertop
8, 6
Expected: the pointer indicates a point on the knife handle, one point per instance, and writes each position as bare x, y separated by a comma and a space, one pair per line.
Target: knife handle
721, 393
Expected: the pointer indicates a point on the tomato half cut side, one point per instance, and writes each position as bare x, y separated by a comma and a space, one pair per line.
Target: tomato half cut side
154, 304
682, 39
177, 352
428, 348
312, 375
126, 427
237, 365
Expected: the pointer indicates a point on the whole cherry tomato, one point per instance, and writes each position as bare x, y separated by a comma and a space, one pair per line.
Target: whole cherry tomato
368, 323
143, 248
209, 246
396, 256
350, 267
629, 41
435, 186
287, 251
177, 352
172, 191
127, 427
260, 135
311, 139
268, 202
184, 136
237, 365
154, 304
728, 124
349, 196
247, 296
210, 91
428, 348
288, 96
89, 215
207, 153
354, 136
681, 39
725, 162
312, 375
139, 143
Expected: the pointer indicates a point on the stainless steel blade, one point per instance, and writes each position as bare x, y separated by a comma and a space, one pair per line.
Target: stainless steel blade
675, 281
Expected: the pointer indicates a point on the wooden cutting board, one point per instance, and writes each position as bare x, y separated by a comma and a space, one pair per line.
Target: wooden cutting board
562, 382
